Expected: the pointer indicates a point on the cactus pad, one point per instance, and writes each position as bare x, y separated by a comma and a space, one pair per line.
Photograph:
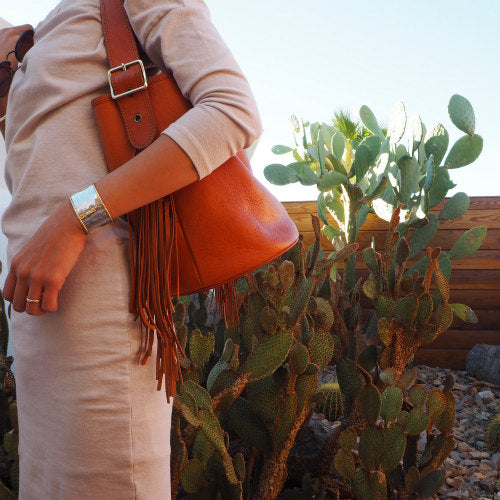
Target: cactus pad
384, 306
203, 449
200, 347
370, 402
407, 378
263, 396
424, 311
465, 151
436, 143
417, 395
287, 416
305, 387
347, 439
269, 319
371, 446
298, 359
412, 479
444, 316
406, 309
417, 422
287, 274
349, 378
301, 300
321, 348
389, 376
395, 443
430, 484
462, 114
344, 463
216, 370
248, 426
386, 330
436, 402
201, 395
370, 289
392, 401
268, 355
193, 476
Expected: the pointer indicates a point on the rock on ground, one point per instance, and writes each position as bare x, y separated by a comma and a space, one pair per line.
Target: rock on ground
483, 362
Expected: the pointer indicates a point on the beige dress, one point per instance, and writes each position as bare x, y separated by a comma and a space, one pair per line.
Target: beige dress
92, 425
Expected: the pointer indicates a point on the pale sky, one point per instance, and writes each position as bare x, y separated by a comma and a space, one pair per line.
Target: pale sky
312, 58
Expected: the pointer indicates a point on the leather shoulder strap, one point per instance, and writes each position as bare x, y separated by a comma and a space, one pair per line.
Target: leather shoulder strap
127, 74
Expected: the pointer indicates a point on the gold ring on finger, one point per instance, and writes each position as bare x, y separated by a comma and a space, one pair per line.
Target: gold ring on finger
32, 301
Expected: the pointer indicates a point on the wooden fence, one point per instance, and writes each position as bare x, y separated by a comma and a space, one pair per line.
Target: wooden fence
475, 281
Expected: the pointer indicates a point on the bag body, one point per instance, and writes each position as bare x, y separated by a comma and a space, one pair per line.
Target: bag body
228, 223
203, 236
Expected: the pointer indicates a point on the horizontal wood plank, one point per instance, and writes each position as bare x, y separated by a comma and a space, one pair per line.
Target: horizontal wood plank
476, 203
479, 300
470, 219
486, 320
444, 358
445, 239
463, 339
463, 279
481, 259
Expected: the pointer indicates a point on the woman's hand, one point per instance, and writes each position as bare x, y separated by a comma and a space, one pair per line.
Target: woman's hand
39, 270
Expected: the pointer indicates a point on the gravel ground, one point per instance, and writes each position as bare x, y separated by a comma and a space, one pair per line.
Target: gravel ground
472, 471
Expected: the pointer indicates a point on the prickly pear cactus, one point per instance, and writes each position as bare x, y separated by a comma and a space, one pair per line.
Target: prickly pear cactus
255, 381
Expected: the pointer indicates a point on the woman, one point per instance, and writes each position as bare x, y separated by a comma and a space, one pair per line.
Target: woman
92, 425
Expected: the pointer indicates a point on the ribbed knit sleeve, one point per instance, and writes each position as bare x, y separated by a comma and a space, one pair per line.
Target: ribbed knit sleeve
179, 37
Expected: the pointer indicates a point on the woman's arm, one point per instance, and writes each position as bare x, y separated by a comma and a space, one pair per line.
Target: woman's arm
39, 270
178, 36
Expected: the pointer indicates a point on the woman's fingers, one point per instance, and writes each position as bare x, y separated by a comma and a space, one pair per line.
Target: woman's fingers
9, 286
49, 299
20, 294
34, 300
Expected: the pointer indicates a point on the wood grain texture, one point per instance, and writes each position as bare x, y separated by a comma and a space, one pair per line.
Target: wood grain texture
444, 358
445, 239
471, 219
464, 339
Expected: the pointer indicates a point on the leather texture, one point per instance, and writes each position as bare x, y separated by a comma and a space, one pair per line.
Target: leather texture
201, 237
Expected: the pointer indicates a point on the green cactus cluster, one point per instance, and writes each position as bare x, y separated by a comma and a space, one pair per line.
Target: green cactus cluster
250, 387
493, 434
360, 169
408, 314
396, 411
253, 383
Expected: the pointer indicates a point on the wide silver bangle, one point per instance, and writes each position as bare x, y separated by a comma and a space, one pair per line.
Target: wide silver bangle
90, 209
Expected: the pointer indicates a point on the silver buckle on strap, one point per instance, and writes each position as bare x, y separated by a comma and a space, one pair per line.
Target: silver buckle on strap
124, 67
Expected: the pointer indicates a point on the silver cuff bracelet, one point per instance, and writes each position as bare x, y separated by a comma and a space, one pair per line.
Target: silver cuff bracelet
90, 209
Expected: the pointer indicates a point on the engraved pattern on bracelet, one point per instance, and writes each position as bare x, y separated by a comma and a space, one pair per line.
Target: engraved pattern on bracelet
90, 209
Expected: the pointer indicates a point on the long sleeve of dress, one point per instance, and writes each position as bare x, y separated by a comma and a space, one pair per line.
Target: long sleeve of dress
179, 37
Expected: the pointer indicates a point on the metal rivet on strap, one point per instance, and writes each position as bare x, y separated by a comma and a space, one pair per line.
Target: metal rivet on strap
138, 118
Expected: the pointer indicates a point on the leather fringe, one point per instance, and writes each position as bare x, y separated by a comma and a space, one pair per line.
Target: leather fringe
153, 234
153, 252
